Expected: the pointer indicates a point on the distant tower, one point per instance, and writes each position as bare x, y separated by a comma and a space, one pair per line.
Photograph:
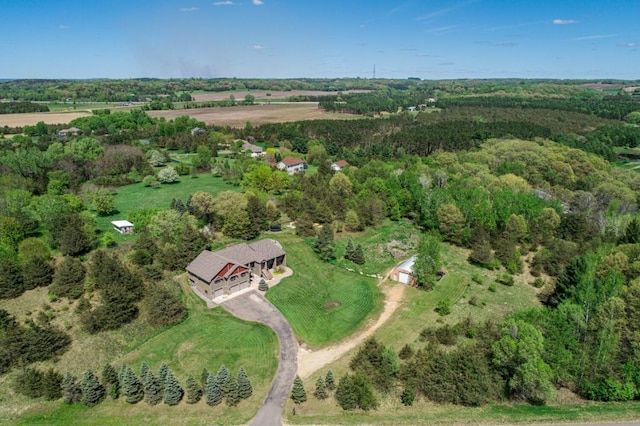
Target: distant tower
374, 71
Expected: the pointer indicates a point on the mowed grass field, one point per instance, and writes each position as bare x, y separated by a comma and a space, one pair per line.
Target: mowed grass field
323, 303
208, 338
137, 196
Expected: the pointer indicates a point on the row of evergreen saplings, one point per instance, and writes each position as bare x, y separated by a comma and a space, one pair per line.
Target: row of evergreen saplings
153, 388
324, 385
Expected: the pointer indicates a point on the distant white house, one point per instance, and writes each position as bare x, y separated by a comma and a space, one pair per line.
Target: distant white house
291, 165
197, 131
123, 226
404, 272
339, 165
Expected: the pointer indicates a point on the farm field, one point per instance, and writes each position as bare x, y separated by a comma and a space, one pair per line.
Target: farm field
30, 119
324, 304
208, 338
258, 114
265, 94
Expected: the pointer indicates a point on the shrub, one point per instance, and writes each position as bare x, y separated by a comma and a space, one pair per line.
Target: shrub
263, 286
538, 282
168, 175
473, 301
149, 180
408, 395
505, 279
493, 287
478, 279
443, 307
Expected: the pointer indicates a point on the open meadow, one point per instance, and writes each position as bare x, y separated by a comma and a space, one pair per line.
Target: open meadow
30, 119
265, 94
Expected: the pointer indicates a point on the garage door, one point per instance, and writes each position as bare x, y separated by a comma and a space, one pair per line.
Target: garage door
404, 278
217, 293
245, 285
234, 288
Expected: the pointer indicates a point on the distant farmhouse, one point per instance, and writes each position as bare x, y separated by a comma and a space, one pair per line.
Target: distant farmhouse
229, 270
291, 165
256, 151
72, 131
339, 165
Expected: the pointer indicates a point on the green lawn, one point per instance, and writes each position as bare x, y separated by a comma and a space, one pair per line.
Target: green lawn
425, 412
137, 196
208, 338
323, 303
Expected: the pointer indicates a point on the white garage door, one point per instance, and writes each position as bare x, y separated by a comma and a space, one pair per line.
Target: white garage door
245, 285
404, 278
217, 293
233, 289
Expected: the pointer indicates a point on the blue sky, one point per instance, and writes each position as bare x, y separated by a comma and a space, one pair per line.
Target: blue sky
430, 39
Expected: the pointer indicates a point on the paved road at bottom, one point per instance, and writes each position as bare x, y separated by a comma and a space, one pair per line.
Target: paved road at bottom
253, 306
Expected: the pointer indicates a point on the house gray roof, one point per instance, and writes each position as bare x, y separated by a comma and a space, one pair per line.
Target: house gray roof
208, 264
253, 148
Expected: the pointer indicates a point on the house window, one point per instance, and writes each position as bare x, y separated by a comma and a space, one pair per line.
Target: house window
244, 274
233, 278
218, 281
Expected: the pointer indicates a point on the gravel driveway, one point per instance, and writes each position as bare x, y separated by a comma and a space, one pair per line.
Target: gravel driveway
253, 306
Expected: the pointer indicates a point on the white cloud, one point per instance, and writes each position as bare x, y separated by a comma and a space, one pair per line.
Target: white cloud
628, 45
258, 2
64, 27
224, 3
188, 9
564, 21
256, 47
595, 37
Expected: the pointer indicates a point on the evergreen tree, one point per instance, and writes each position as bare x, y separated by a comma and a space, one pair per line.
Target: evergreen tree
173, 392
427, 262
324, 245
162, 374
51, 385
213, 392
298, 394
92, 391
257, 211
122, 372
232, 394
132, 388
223, 380
203, 377
71, 392
245, 390
11, 284
74, 240
358, 255
349, 250
35, 262
152, 387
263, 286
304, 226
110, 381
144, 368
330, 381
68, 280
194, 390
321, 389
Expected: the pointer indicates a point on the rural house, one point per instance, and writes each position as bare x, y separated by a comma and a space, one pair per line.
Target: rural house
229, 270
72, 131
256, 151
291, 165
404, 272
123, 226
339, 165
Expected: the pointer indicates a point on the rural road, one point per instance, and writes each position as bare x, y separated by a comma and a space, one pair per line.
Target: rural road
252, 306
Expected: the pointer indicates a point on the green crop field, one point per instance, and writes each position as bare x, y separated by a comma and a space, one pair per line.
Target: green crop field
323, 303
208, 338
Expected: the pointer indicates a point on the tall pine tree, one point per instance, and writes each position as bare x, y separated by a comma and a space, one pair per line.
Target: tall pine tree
110, 381
321, 389
71, 392
324, 245
232, 394
348, 251
194, 390
173, 392
358, 255
245, 390
152, 388
298, 394
329, 381
92, 391
132, 388
213, 392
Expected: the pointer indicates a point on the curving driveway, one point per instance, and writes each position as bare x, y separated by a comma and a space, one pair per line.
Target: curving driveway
254, 307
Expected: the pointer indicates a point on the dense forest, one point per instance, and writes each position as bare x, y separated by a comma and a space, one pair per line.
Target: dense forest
520, 182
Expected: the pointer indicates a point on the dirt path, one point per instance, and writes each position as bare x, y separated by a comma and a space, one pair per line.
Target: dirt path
310, 361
